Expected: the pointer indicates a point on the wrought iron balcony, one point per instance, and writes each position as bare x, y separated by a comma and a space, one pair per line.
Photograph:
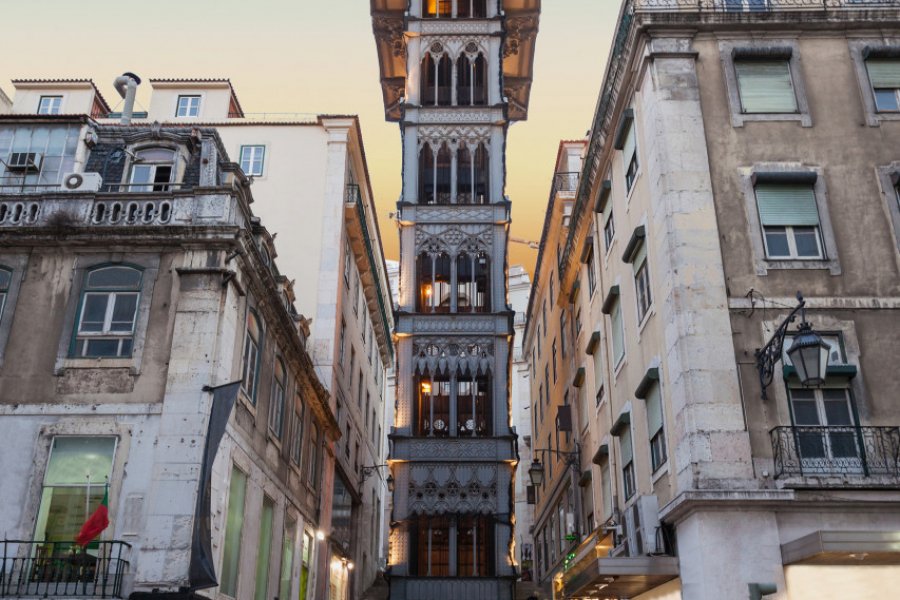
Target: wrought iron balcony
31, 569
836, 451
351, 194
565, 182
757, 5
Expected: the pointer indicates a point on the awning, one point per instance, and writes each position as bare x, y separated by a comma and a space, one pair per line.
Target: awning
619, 577
843, 548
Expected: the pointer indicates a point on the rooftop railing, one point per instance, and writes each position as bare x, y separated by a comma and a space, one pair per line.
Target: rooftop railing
757, 5
33, 569
845, 451
565, 182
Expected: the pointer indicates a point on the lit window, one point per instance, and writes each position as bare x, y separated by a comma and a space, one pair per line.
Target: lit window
252, 342
75, 482
276, 405
49, 105
5, 277
765, 86
188, 106
152, 170
107, 312
790, 221
252, 158
884, 75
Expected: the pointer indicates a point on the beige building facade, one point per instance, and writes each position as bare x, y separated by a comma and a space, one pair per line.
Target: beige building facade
741, 151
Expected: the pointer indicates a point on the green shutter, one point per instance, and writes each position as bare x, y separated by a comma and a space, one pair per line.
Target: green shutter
628, 147
790, 204
654, 411
765, 86
618, 334
640, 255
625, 446
884, 73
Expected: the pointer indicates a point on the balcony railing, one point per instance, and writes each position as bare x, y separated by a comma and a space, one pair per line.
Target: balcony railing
757, 5
565, 182
31, 569
836, 451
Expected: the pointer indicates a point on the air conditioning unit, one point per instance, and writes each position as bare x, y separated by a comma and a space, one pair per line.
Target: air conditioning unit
24, 162
641, 524
82, 182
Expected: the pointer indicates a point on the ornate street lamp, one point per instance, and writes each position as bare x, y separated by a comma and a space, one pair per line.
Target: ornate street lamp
808, 351
536, 473
390, 483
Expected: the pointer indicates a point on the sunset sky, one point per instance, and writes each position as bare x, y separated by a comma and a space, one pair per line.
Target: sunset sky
312, 57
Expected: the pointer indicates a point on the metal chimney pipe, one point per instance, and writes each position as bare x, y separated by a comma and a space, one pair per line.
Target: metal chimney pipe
126, 84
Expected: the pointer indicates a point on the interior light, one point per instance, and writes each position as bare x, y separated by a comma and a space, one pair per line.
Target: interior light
426, 387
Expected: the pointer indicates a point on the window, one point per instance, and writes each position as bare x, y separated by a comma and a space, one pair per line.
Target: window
627, 452
473, 282
884, 76
263, 549
609, 231
347, 259
790, 221
471, 9
825, 429
107, 313
437, 74
432, 541
474, 415
76, 479
437, 8
606, 490
252, 158
343, 342
306, 559
252, 344
312, 455
765, 86
655, 428
433, 406
474, 546
287, 559
188, 106
553, 358
297, 439
544, 311
152, 170
434, 282
276, 405
591, 270
471, 85
642, 282
234, 524
618, 334
563, 328
598, 373
49, 105
435, 168
626, 141
5, 278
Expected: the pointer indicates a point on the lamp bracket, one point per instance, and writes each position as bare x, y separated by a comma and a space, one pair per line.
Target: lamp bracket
769, 355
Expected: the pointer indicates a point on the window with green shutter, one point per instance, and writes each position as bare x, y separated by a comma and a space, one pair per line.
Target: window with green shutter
655, 428
627, 452
765, 86
789, 218
618, 334
884, 75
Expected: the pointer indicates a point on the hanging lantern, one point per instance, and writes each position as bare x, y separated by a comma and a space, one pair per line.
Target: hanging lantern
809, 355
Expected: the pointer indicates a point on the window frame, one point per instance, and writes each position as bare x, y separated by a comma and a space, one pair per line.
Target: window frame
277, 398
788, 173
252, 394
889, 180
51, 110
188, 108
860, 51
789, 50
112, 294
262, 160
15, 265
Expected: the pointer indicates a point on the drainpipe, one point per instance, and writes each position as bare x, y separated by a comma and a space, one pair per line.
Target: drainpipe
126, 84
758, 590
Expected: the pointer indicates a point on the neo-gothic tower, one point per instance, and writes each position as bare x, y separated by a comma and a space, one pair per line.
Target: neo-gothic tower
455, 74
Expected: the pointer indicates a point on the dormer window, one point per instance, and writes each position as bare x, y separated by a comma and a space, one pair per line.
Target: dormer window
49, 105
152, 170
188, 106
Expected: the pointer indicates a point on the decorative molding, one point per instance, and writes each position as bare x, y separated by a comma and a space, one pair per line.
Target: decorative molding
453, 449
453, 489
443, 115
454, 239
390, 30
467, 356
461, 28
454, 46
454, 324
455, 213
454, 135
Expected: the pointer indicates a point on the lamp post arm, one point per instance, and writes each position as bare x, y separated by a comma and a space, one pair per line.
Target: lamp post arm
769, 355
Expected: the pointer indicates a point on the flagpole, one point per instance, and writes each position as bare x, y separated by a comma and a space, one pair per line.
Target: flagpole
87, 498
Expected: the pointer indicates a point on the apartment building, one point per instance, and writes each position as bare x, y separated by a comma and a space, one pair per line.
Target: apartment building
141, 323
740, 152
310, 181
550, 346
455, 75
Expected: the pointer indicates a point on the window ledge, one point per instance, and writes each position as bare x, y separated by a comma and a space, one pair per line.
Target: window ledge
98, 363
248, 404
877, 117
272, 438
618, 368
660, 472
831, 265
634, 183
739, 119
643, 323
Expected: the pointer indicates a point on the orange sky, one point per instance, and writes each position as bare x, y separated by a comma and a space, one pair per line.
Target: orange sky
312, 57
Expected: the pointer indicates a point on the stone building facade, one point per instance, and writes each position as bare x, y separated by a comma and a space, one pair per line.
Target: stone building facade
134, 277
740, 152
454, 74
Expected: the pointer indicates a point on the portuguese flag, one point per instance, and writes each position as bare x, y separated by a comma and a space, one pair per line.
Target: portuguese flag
96, 523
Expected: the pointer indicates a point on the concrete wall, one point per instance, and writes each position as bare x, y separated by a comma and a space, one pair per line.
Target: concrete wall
77, 99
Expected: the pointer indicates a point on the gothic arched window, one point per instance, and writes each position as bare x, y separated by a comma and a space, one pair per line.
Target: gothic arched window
473, 282
433, 282
474, 400
481, 176
435, 173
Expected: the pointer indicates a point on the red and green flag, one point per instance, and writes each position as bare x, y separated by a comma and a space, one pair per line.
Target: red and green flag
96, 523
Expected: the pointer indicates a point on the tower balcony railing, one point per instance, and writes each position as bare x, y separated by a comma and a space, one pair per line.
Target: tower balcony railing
848, 451
565, 182
757, 5
36, 569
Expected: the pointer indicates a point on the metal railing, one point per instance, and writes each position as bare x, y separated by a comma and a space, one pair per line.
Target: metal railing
757, 5
565, 182
836, 451
62, 569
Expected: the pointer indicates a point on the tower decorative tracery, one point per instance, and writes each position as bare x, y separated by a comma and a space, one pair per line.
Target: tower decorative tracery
454, 78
